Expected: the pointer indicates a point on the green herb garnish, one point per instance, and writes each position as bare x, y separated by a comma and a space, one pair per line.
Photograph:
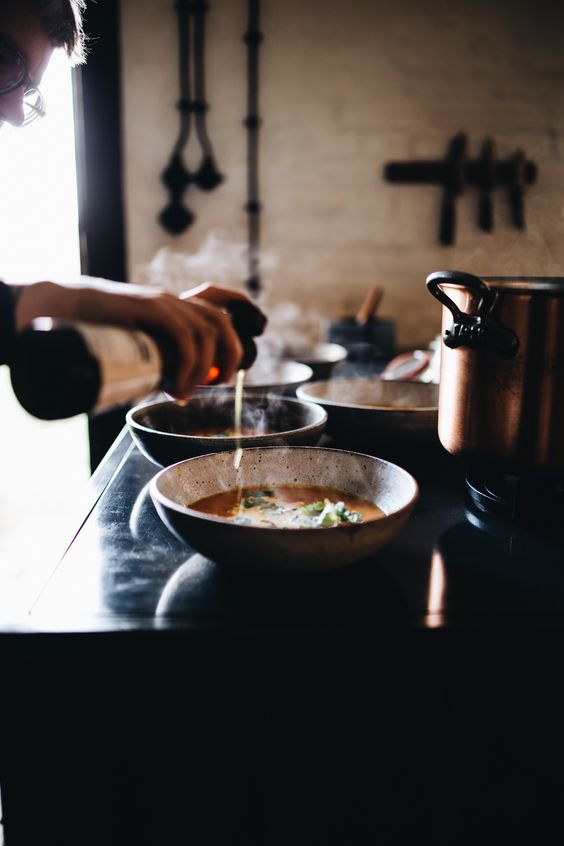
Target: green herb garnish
254, 498
330, 514
314, 507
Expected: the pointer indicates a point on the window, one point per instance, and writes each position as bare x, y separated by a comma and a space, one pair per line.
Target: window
44, 466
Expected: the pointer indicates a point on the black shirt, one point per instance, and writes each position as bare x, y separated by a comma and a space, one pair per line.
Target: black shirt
8, 298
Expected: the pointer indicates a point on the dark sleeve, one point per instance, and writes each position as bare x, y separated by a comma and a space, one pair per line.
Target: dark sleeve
8, 298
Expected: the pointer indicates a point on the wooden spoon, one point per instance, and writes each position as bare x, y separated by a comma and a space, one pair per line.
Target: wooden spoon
369, 307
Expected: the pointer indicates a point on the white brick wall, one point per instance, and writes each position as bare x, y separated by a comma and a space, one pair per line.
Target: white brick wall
346, 87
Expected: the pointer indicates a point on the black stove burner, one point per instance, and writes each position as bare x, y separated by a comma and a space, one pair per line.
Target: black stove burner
527, 500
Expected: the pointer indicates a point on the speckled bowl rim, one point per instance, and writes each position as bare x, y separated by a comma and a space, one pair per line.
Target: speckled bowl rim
212, 518
266, 385
396, 409
305, 356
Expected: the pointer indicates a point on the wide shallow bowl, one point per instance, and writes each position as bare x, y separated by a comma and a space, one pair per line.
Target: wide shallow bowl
375, 411
267, 375
162, 430
176, 488
322, 358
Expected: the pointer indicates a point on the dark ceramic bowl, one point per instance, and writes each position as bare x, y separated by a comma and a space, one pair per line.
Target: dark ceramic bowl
322, 358
283, 550
266, 375
373, 411
369, 342
162, 430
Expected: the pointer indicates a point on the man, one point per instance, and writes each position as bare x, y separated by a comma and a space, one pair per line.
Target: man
195, 322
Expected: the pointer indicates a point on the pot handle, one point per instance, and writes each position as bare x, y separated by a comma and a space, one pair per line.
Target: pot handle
477, 330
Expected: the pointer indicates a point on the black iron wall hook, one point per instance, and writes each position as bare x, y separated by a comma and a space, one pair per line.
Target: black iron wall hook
207, 177
487, 183
176, 217
453, 186
456, 171
253, 38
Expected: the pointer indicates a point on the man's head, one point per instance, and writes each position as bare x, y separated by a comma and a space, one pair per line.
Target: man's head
29, 32
62, 22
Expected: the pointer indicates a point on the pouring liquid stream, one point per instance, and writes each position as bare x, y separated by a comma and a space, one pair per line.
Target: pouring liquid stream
237, 416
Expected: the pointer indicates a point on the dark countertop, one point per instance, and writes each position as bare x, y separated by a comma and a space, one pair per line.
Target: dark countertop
448, 568
414, 696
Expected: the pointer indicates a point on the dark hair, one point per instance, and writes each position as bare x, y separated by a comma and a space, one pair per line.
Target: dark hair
62, 20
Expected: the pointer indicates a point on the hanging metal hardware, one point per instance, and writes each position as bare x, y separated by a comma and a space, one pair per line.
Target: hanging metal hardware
252, 38
207, 177
455, 172
487, 185
176, 217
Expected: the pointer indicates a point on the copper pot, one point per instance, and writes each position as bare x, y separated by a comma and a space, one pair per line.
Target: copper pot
501, 397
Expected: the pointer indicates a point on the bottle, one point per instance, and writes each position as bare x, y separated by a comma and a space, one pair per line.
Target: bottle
59, 368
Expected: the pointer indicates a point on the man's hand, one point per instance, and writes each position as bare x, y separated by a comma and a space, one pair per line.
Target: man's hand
198, 328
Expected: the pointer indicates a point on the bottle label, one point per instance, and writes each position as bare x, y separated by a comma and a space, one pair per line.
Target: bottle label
130, 363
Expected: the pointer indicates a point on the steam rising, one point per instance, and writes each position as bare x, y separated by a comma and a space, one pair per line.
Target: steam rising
263, 417
375, 394
220, 262
290, 327
217, 261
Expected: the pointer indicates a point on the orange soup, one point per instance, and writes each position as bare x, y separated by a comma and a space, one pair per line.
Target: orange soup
289, 507
244, 431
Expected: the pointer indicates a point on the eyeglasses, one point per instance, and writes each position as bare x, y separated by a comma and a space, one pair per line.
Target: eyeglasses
13, 73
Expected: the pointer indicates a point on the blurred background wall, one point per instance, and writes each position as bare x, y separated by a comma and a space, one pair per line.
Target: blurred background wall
345, 88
